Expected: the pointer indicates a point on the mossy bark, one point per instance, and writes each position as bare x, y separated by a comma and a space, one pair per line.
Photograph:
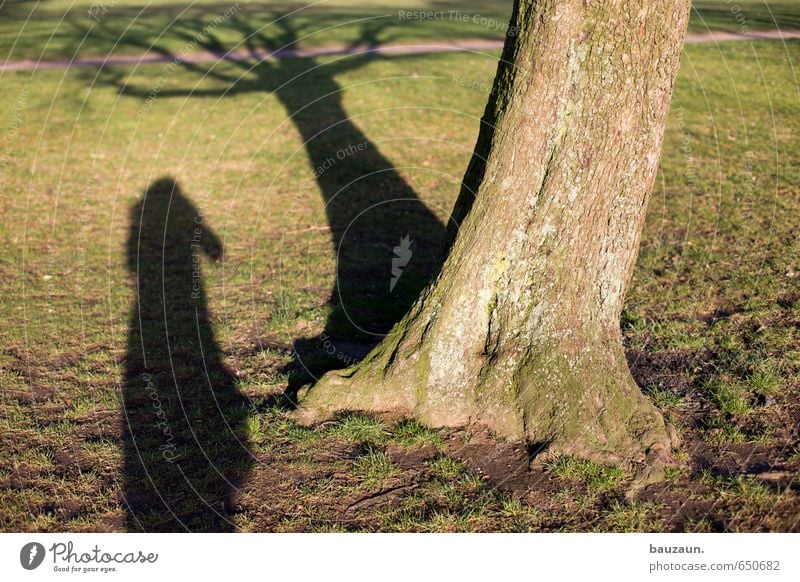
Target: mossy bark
520, 330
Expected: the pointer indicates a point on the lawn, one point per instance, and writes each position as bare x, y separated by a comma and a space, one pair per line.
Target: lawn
279, 164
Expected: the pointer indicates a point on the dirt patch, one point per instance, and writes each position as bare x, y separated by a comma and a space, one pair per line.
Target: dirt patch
99, 425
671, 370
734, 459
24, 476
780, 480
676, 509
64, 508
34, 393
504, 465
788, 300
413, 460
382, 497
70, 461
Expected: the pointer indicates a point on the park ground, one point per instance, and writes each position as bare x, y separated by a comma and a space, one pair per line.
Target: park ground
711, 324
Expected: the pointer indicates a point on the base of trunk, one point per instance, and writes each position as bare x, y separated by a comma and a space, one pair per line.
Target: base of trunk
585, 405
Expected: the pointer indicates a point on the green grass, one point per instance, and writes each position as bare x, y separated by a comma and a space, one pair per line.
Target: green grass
410, 433
718, 430
730, 398
765, 379
664, 399
709, 314
374, 469
630, 517
446, 469
361, 429
596, 478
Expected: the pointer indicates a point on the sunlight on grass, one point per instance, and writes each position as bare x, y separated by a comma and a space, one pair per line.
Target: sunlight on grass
597, 478
373, 470
360, 429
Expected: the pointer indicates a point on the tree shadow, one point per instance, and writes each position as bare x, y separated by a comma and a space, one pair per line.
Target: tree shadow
388, 243
186, 446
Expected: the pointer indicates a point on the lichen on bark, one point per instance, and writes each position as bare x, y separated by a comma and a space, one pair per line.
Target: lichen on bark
520, 330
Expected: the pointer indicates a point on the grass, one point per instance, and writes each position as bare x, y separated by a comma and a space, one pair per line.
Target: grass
446, 469
710, 323
664, 399
730, 398
374, 469
410, 433
765, 379
361, 429
596, 478
630, 517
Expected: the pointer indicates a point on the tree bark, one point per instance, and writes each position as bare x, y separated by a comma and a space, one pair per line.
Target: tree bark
520, 330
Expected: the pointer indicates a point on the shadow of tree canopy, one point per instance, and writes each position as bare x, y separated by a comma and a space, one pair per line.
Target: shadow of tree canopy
386, 240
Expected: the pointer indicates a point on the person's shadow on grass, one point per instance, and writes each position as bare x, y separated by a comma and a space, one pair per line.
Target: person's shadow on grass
186, 446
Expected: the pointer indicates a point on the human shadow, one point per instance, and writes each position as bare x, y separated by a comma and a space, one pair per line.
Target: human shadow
186, 446
388, 243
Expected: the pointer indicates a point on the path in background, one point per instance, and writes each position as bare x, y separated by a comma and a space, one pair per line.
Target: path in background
406, 49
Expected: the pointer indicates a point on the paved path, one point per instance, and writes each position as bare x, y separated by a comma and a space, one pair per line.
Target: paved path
396, 49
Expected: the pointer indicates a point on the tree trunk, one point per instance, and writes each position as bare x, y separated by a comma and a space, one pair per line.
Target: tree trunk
520, 330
